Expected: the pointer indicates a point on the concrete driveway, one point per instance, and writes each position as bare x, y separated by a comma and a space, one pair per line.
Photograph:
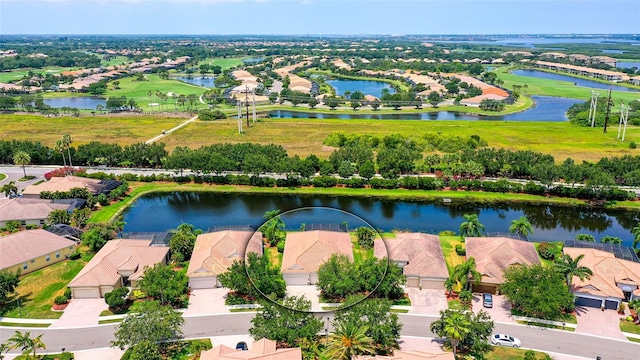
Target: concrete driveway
207, 302
594, 321
81, 312
310, 292
501, 310
426, 301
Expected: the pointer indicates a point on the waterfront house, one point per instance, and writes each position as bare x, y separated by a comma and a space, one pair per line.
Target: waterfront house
30, 250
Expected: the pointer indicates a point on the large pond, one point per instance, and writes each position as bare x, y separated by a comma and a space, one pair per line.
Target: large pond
577, 81
367, 87
547, 108
76, 102
207, 81
160, 212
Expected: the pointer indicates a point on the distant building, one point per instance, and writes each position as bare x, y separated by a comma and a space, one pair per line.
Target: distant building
28, 211
31, 250
67, 183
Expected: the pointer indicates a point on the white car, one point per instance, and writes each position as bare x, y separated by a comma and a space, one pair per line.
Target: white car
505, 340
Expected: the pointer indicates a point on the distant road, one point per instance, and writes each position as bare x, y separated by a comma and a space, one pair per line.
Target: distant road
167, 132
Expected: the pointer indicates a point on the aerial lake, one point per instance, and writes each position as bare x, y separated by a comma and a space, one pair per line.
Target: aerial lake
628, 64
575, 80
207, 210
367, 87
207, 81
76, 102
547, 108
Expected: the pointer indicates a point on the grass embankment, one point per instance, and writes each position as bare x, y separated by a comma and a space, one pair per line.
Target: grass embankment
547, 87
507, 353
123, 130
139, 189
305, 136
37, 290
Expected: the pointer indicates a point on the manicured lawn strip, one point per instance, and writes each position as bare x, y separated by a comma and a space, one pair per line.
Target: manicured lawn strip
24, 325
546, 326
305, 136
112, 321
275, 257
448, 244
2, 177
139, 189
38, 289
633, 340
138, 91
547, 87
629, 327
242, 310
123, 130
507, 353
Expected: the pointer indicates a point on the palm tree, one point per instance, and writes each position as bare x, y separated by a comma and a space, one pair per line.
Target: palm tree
25, 343
585, 237
9, 188
466, 271
449, 284
67, 141
22, 158
570, 267
349, 340
59, 147
636, 236
471, 227
521, 227
273, 226
456, 327
4, 348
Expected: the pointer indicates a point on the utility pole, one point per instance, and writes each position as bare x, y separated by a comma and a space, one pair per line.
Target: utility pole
606, 115
246, 101
622, 125
592, 108
239, 117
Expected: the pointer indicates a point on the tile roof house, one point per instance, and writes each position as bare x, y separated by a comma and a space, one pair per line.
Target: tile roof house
420, 257
63, 184
410, 355
305, 251
215, 252
494, 254
118, 262
613, 280
30, 250
28, 211
262, 349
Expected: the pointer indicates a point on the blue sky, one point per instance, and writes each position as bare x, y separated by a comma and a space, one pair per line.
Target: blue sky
318, 16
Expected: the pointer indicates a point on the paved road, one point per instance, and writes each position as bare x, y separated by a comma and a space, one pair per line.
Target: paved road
156, 138
413, 325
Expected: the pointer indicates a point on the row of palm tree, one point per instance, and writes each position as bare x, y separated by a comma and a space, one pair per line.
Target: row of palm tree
24, 342
472, 227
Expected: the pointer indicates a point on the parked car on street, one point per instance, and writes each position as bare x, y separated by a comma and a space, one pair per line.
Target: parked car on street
487, 300
505, 340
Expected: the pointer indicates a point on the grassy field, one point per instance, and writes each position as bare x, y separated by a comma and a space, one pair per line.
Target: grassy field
304, 136
6, 76
138, 90
566, 89
115, 129
507, 353
115, 61
224, 63
38, 289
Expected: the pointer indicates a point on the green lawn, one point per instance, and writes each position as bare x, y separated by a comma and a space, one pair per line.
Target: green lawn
37, 290
275, 257
536, 86
448, 244
19, 73
115, 61
123, 130
507, 353
2, 323
138, 90
2, 176
629, 327
225, 63
360, 254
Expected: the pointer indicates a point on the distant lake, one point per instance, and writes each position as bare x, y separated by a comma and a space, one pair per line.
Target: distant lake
253, 60
547, 108
613, 51
207, 81
628, 64
76, 102
577, 81
368, 87
533, 42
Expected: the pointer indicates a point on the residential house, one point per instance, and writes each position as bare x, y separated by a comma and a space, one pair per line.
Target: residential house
28, 211
119, 263
495, 254
262, 349
409, 355
583, 70
613, 281
305, 251
65, 183
215, 252
420, 257
635, 80
30, 250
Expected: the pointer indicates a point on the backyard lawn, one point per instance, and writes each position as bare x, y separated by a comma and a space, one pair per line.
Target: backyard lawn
448, 244
37, 290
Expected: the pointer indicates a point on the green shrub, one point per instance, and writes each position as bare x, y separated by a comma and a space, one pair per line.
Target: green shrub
13, 225
32, 226
547, 251
447, 233
460, 250
75, 256
280, 246
234, 299
633, 145
211, 114
67, 293
59, 300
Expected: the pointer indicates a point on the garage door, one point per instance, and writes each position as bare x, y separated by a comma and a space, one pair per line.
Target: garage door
413, 282
313, 278
296, 279
588, 302
88, 293
611, 305
202, 282
432, 284
491, 289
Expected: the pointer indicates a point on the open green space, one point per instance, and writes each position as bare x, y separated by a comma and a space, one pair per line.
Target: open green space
138, 90
305, 136
547, 87
507, 353
224, 63
115, 61
37, 290
114, 129
448, 244
2, 176
275, 257
10, 324
7, 76
629, 327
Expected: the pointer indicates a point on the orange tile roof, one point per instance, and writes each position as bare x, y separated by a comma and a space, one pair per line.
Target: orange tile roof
215, 252
494, 254
29, 244
64, 184
305, 251
262, 349
422, 252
